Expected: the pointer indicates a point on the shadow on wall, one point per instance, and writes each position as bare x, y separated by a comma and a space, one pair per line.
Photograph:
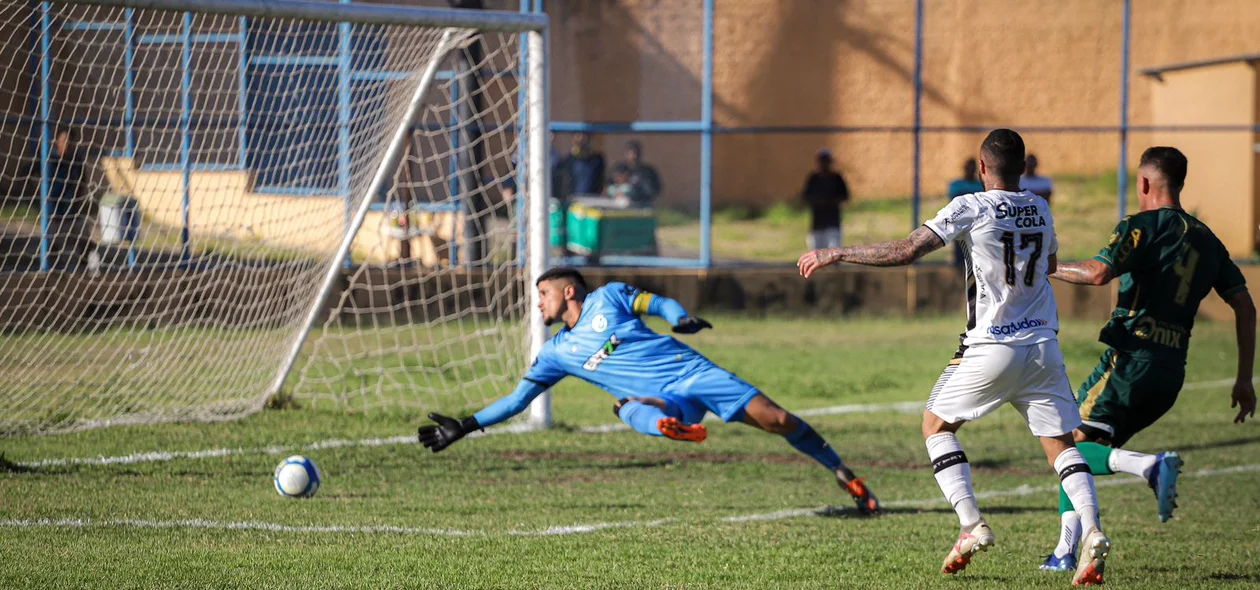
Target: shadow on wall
824, 64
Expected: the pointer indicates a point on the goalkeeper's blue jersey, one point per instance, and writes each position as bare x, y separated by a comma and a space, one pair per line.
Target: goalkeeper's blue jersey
612, 348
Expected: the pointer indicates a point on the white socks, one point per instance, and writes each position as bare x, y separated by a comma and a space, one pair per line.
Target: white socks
1079, 486
1069, 535
953, 474
1122, 461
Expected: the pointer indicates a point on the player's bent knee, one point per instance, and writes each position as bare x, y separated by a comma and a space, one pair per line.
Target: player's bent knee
933, 424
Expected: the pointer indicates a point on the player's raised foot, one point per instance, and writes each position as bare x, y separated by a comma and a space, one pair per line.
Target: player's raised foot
980, 538
867, 503
1163, 480
675, 429
1093, 557
1054, 563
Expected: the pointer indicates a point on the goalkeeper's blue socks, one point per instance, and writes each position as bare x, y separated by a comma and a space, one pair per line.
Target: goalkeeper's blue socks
806, 440
642, 417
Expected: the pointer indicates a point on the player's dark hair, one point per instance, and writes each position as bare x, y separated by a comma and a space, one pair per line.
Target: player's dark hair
1170, 162
563, 273
1003, 150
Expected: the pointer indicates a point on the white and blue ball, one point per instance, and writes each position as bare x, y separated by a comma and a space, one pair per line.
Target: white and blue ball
297, 477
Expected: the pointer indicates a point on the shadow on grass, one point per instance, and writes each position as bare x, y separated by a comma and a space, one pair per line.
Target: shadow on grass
852, 512
11, 467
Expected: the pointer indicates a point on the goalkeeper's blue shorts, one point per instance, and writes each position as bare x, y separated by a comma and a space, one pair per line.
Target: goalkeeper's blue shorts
709, 388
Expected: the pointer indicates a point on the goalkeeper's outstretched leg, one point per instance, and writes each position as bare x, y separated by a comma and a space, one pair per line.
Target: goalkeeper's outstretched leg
678, 417
761, 412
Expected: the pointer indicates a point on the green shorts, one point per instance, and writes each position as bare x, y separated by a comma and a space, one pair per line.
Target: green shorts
1124, 395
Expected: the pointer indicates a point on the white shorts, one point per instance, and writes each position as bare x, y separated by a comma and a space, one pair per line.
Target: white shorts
1031, 377
824, 238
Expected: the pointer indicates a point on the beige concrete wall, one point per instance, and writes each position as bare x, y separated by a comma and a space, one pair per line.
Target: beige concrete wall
851, 62
1221, 181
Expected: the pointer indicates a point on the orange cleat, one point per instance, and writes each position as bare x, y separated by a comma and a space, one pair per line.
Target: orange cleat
867, 504
675, 429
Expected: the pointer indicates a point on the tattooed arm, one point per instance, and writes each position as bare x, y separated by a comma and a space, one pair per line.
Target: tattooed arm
1085, 272
894, 253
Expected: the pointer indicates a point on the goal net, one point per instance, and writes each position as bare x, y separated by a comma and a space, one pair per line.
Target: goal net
206, 204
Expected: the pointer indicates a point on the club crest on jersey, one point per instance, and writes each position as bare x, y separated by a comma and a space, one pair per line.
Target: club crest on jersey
605, 351
599, 323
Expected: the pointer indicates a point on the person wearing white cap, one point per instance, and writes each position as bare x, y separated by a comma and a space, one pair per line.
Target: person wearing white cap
825, 193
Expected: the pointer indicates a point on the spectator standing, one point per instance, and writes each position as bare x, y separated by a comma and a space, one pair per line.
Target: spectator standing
825, 192
583, 168
645, 182
1041, 186
968, 184
70, 222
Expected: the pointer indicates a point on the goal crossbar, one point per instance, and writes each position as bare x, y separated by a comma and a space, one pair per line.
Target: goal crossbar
333, 12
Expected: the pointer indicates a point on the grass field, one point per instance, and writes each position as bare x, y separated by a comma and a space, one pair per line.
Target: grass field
567, 508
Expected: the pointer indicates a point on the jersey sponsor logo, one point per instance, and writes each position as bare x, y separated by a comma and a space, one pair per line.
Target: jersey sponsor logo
1171, 335
963, 208
599, 323
1020, 326
605, 351
1129, 245
1024, 215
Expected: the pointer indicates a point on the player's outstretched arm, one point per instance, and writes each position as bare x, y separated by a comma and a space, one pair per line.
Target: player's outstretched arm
1085, 272
642, 302
447, 430
1244, 394
918, 244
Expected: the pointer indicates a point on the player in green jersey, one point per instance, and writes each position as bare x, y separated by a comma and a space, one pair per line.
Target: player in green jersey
1167, 262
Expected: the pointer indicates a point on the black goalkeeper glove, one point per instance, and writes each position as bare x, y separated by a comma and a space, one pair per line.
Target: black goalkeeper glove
690, 325
447, 431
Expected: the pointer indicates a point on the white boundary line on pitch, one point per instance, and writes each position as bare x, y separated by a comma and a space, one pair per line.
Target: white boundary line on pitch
154, 456
1024, 490
158, 456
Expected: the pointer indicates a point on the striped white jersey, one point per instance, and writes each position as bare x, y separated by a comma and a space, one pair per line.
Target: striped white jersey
1007, 238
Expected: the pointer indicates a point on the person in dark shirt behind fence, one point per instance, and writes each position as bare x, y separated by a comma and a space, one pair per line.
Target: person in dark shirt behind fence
825, 193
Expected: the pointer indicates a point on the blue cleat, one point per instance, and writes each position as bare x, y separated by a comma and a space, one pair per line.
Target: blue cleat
1054, 563
1163, 480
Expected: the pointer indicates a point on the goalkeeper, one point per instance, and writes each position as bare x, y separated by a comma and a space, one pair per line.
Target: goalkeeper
662, 386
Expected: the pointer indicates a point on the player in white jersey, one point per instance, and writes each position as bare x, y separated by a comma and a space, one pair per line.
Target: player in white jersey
1010, 352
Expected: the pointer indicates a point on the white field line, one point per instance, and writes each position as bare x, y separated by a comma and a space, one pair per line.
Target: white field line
157, 456
1024, 490
277, 450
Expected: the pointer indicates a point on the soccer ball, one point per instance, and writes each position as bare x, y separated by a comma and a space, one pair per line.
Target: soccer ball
297, 477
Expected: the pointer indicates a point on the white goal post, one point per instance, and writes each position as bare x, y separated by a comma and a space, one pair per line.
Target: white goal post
206, 205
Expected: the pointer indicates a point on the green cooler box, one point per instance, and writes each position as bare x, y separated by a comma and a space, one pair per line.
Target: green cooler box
557, 223
598, 227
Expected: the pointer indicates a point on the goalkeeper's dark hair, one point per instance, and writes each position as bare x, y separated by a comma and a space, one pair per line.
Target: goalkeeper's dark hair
564, 273
1003, 151
1170, 163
